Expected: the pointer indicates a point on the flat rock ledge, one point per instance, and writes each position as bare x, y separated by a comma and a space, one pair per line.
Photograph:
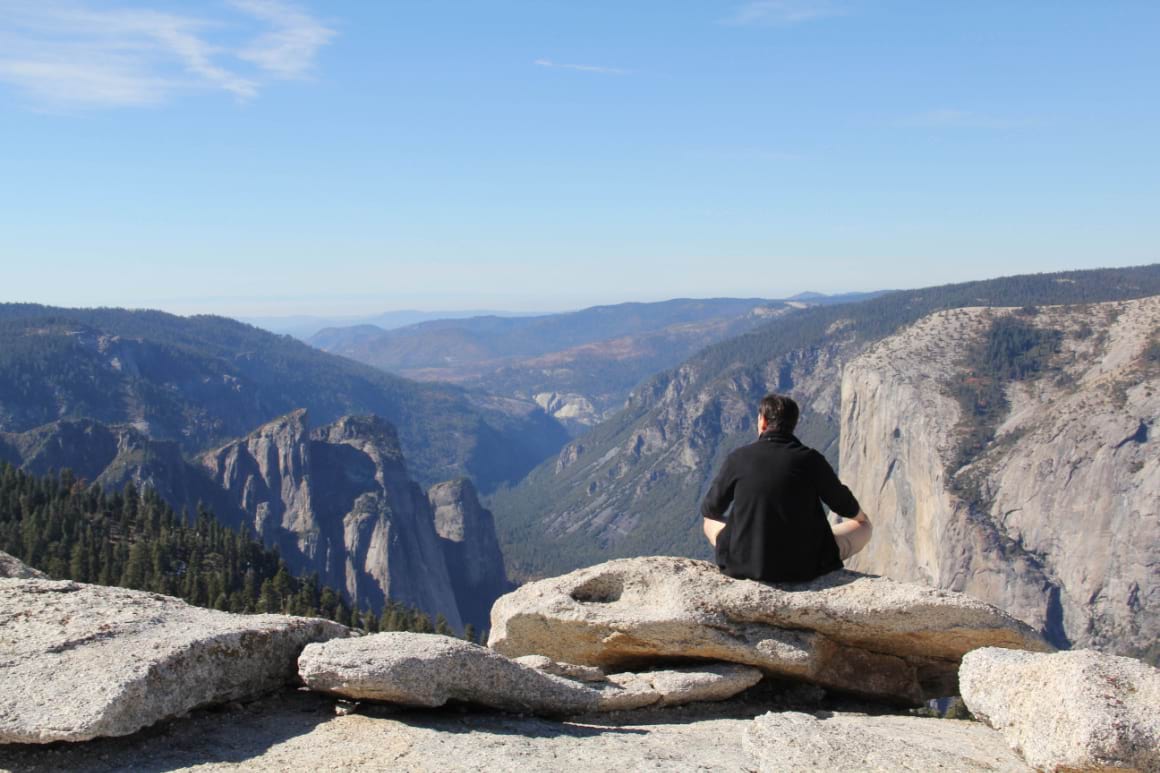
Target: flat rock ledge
428, 670
1077, 710
13, 568
856, 633
794, 742
80, 661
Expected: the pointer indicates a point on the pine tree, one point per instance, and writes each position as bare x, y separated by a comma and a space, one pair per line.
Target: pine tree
136, 571
420, 623
267, 599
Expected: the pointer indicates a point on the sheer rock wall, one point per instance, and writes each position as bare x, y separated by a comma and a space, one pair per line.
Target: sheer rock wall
1059, 524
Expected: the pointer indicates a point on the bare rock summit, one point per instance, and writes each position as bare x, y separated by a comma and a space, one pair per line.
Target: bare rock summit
82, 661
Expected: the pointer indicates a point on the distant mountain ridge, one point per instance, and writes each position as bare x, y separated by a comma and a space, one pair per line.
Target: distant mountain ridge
200, 381
580, 366
632, 484
303, 326
492, 337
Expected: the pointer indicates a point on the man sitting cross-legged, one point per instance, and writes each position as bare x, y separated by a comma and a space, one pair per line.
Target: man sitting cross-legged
777, 530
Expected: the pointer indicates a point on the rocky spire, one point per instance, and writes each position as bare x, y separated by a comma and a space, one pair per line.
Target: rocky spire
467, 536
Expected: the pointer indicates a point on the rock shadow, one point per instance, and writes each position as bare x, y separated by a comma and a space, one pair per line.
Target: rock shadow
234, 733
459, 718
834, 579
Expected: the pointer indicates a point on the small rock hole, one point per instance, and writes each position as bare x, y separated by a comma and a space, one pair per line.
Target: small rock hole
602, 589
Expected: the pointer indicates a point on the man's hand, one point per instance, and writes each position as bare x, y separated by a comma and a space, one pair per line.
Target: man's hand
852, 534
712, 529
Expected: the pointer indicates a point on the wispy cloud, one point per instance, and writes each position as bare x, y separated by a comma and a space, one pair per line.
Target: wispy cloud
580, 67
782, 12
950, 118
289, 48
70, 54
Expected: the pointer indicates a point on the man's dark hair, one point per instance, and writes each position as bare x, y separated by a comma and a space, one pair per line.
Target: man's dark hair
780, 413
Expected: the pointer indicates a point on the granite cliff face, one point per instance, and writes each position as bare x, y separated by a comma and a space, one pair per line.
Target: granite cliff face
467, 536
338, 500
1055, 518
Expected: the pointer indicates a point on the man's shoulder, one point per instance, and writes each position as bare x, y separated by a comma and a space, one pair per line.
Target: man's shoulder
764, 448
747, 449
783, 443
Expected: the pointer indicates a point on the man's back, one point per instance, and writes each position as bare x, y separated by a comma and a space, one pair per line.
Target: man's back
777, 530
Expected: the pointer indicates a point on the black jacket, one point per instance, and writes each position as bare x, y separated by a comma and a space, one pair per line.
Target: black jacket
777, 530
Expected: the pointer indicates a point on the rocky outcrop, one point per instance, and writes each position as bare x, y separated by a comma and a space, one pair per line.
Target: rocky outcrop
467, 536
428, 670
793, 742
338, 500
846, 631
12, 567
82, 661
1075, 710
572, 410
1055, 519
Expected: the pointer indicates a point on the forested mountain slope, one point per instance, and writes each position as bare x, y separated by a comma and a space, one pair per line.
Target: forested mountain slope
203, 380
133, 539
631, 486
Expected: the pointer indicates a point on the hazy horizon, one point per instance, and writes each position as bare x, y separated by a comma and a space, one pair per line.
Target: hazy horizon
360, 308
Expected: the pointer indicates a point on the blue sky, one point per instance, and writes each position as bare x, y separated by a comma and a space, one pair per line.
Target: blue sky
270, 157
